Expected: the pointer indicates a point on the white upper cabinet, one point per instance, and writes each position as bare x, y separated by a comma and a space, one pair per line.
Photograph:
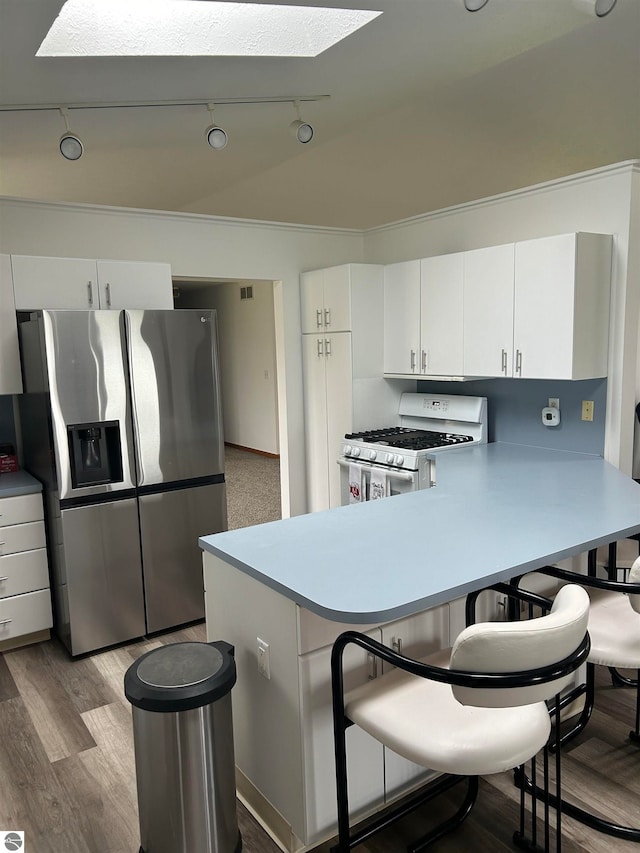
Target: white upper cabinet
82, 283
441, 315
538, 309
423, 317
134, 284
54, 283
561, 313
325, 297
488, 311
402, 318
10, 377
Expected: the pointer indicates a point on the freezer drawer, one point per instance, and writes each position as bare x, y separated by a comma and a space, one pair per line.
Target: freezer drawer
170, 524
102, 601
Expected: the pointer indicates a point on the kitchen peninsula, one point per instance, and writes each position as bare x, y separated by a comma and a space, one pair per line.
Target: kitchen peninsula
390, 567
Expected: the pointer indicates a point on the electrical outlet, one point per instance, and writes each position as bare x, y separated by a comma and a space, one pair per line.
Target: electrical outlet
587, 410
264, 663
554, 402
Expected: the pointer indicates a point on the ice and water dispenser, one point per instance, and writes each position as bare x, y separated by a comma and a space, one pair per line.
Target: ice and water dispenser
95, 453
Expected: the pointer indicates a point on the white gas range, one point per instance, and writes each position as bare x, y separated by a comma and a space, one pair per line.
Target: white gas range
398, 459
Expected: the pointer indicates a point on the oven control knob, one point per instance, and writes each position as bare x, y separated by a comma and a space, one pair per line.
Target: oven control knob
355, 451
347, 450
372, 455
389, 458
399, 461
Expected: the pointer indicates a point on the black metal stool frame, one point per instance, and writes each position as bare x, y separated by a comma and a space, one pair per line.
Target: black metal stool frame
347, 840
587, 689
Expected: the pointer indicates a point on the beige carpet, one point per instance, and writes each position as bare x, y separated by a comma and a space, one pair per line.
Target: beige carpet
253, 488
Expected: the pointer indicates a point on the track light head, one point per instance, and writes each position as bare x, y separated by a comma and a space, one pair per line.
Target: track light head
474, 5
216, 136
70, 144
599, 8
302, 131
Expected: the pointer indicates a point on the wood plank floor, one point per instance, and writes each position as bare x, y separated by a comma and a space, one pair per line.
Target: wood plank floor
67, 774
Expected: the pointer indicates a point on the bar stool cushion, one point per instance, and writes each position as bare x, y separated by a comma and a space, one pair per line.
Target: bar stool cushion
426, 721
614, 626
422, 721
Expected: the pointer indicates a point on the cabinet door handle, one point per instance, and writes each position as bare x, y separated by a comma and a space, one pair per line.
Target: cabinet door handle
372, 663
318, 318
89, 293
107, 289
504, 361
519, 362
327, 347
3, 579
396, 644
424, 361
327, 317
413, 360
320, 350
5, 621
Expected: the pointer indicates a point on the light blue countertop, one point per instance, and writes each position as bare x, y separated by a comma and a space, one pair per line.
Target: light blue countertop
498, 510
18, 483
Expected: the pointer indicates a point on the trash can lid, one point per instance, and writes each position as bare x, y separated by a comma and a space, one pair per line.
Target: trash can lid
181, 676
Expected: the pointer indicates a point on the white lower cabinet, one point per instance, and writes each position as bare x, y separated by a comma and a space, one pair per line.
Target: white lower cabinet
25, 598
417, 636
365, 755
376, 775
283, 725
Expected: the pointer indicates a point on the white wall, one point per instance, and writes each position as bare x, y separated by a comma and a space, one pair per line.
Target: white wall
200, 247
247, 347
600, 201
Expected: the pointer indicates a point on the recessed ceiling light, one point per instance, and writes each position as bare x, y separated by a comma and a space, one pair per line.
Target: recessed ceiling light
197, 28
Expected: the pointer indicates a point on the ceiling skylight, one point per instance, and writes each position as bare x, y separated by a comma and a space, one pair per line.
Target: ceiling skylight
197, 28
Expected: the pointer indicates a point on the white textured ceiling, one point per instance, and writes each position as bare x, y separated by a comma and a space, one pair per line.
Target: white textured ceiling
180, 28
429, 106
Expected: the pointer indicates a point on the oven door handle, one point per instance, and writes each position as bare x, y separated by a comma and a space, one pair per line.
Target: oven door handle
390, 472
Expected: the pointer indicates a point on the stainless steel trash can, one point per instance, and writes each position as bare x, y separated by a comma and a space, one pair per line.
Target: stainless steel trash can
183, 738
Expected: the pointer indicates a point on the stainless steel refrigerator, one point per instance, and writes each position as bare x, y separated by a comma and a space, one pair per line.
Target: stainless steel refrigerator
121, 421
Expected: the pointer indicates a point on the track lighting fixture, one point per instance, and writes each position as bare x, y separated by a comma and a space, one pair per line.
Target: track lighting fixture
71, 146
301, 129
599, 8
474, 5
216, 136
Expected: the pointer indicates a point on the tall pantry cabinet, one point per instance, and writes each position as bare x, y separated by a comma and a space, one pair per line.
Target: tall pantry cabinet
342, 322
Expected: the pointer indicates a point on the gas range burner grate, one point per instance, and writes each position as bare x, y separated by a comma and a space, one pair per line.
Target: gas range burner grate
406, 438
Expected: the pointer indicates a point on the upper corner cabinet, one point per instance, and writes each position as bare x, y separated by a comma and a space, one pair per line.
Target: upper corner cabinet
84, 283
538, 309
561, 306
